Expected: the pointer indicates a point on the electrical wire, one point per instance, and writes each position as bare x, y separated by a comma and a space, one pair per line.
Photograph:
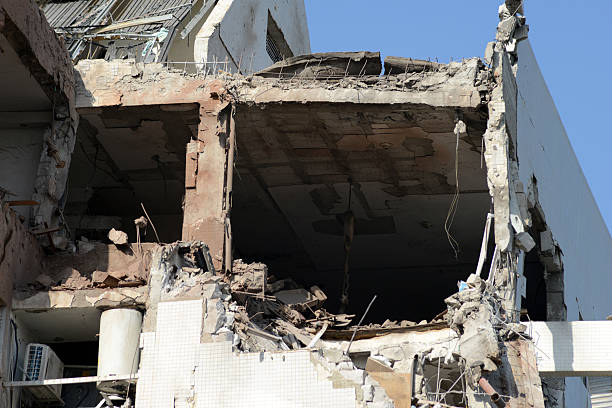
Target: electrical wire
452, 211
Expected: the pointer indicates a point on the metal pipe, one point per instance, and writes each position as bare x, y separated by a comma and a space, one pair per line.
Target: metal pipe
486, 387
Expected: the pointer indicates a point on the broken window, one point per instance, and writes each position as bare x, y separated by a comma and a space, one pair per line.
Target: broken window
276, 45
315, 182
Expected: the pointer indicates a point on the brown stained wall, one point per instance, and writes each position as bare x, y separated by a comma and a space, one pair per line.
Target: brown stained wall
205, 176
21, 258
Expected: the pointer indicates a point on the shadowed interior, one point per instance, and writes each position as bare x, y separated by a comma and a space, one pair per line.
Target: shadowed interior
301, 167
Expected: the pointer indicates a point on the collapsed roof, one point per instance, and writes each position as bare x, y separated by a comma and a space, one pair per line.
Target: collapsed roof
141, 29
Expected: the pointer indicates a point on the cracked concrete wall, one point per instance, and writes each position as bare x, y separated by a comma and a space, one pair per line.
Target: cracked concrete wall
45, 57
21, 257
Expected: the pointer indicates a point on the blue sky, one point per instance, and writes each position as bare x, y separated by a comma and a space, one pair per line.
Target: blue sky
571, 40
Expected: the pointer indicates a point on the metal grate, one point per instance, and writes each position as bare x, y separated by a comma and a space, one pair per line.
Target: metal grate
35, 357
272, 49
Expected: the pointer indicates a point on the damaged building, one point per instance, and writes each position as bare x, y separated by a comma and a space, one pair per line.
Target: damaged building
202, 221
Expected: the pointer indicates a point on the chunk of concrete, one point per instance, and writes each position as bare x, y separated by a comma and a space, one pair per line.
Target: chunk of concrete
393, 353
547, 242
215, 316
524, 241
117, 237
100, 278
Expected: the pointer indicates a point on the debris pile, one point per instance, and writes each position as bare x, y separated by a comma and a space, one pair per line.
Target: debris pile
277, 314
94, 264
476, 315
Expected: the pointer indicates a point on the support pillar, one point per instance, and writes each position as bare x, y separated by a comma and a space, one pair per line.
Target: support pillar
206, 209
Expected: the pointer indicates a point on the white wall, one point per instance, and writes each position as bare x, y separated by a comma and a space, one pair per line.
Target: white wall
571, 211
237, 29
20, 151
177, 368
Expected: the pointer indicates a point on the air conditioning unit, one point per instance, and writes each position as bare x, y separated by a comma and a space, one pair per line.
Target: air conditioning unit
42, 364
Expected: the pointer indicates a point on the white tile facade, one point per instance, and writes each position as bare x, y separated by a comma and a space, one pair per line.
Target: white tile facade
573, 349
178, 371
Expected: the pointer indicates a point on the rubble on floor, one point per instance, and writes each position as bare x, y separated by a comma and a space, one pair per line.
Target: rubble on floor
258, 313
93, 264
277, 314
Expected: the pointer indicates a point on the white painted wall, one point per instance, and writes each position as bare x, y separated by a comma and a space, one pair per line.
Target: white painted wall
236, 30
571, 211
20, 151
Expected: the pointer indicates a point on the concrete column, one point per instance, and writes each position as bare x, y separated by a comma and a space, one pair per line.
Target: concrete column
206, 175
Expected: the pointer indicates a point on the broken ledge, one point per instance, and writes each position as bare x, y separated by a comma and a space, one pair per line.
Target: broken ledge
84, 298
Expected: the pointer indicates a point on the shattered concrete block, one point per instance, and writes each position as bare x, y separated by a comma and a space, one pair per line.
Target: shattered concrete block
117, 237
354, 375
476, 282
76, 281
524, 241
521, 32
368, 392
334, 355
215, 316
379, 394
382, 359
469, 295
119, 274
393, 353
230, 318
222, 335
489, 51
505, 29
250, 278
547, 242
211, 291
552, 262
345, 365
294, 296
100, 278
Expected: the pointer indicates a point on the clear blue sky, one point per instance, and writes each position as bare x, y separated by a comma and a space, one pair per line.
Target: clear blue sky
571, 40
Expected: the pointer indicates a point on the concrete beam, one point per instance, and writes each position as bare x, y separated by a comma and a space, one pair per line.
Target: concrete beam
26, 28
126, 83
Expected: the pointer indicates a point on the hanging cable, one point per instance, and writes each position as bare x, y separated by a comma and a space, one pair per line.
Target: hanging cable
460, 127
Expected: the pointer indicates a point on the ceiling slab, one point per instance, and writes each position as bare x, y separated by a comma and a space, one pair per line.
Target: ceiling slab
20, 91
398, 161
